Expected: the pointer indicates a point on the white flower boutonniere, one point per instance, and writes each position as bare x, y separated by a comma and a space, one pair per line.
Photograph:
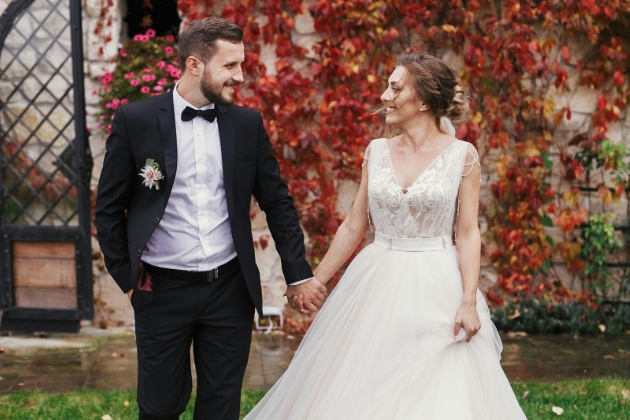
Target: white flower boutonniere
151, 174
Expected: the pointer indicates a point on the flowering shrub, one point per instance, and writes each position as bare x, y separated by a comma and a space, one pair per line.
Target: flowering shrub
146, 66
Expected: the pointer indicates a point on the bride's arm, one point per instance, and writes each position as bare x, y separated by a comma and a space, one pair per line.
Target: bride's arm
348, 236
469, 245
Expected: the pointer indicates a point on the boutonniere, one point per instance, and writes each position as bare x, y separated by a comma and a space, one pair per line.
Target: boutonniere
151, 174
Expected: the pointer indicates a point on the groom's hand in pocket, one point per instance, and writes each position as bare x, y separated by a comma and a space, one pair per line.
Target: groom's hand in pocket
308, 296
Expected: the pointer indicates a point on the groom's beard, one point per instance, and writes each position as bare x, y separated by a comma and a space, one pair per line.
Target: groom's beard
214, 91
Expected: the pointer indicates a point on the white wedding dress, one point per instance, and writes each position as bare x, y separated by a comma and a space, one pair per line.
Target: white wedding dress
382, 346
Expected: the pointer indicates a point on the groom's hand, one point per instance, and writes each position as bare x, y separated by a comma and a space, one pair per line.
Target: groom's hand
307, 296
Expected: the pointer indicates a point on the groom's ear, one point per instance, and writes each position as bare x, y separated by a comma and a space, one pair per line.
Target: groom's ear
194, 66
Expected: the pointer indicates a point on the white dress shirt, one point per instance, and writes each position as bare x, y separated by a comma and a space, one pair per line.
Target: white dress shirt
194, 233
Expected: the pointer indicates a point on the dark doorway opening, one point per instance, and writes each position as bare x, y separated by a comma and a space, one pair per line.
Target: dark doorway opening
159, 15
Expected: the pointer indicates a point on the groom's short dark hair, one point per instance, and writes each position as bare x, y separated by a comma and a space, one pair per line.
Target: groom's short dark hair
199, 38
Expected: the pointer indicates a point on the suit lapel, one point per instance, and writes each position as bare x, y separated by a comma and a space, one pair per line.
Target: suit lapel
166, 118
226, 137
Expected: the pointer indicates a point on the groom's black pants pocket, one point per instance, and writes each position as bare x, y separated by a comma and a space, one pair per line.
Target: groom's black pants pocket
216, 318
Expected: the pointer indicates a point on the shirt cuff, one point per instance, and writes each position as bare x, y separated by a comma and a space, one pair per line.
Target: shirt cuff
301, 281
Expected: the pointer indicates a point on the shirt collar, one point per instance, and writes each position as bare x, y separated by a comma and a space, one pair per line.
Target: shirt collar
180, 103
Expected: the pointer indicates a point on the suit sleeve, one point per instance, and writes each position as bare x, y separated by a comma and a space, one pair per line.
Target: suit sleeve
114, 192
273, 197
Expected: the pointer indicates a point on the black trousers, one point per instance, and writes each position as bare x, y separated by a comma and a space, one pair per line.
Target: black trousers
216, 318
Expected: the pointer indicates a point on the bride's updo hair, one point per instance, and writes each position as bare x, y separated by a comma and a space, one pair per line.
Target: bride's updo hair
435, 83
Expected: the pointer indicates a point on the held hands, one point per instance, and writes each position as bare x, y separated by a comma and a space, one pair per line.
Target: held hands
307, 297
467, 318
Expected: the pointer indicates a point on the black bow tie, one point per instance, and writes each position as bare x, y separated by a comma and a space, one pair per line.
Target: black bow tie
207, 114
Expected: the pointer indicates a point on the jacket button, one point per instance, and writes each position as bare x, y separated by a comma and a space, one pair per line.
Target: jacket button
156, 220
139, 252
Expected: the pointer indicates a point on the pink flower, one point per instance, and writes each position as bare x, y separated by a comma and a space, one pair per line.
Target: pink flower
115, 101
160, 65
109, 128
168, 50
158, 88
123, 53
134, 82
161, 82
144, 38
146, 77
124, 101
170, 38
150, 33
137, 38
145, 89
147, 70
107, 78
129, 75
175, 74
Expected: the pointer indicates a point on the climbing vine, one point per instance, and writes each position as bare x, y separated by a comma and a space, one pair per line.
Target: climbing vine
522, 62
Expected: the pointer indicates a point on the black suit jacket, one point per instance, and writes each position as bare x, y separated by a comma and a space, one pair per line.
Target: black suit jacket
127, 213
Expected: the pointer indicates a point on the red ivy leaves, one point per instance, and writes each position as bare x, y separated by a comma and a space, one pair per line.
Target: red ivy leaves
319, 110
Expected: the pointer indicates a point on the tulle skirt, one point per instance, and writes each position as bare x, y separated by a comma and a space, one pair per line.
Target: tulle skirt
382, 347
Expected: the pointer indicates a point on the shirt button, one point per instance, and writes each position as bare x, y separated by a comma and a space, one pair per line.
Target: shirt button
202, 159
156, 220
139, 252
202, 213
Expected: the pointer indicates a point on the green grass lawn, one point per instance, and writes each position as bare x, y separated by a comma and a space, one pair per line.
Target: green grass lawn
591, 399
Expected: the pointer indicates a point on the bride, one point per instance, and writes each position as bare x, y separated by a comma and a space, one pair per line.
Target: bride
405, 334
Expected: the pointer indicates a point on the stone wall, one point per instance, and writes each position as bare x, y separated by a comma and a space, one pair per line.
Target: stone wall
112, 307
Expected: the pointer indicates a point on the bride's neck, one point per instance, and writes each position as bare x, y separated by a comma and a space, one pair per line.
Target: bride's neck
420, 133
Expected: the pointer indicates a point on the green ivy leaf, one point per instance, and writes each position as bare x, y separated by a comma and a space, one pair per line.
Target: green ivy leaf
546, 156
546, 221
545, 266
549, 240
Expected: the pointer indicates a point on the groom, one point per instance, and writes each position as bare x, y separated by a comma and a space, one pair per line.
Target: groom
172, 216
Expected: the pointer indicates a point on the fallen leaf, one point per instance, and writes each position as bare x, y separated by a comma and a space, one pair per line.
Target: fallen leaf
114, 354
525, 394
626, 394
22, 384
106, 417
559, 411
126, 403
602, 328
608, 356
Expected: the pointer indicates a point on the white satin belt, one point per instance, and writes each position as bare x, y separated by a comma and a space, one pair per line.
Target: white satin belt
412, 244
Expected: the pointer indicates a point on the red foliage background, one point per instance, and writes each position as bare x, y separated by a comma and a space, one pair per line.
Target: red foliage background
516, 62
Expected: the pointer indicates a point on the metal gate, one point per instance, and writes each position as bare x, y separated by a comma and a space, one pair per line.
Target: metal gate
45, 250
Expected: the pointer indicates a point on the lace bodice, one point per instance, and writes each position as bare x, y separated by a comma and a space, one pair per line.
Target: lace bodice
428, 207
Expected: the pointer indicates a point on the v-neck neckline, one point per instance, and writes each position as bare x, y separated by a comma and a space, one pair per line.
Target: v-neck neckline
391, 162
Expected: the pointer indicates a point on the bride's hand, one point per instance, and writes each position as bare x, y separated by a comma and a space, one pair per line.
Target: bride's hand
468, 318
